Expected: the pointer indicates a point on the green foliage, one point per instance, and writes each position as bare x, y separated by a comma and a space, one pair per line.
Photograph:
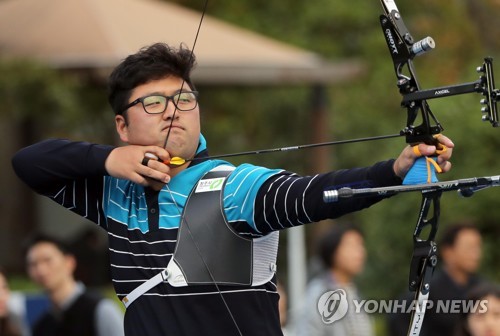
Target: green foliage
31, 90
59, 104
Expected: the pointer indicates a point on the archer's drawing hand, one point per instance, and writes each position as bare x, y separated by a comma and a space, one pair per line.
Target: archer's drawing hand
408, 156
138, 164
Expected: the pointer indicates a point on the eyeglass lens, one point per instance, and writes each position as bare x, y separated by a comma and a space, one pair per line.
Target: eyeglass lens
183, 101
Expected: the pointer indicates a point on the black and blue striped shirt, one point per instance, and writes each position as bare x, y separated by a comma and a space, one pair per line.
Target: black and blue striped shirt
142, 227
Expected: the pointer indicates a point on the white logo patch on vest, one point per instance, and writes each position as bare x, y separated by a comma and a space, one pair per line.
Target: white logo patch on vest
210, 185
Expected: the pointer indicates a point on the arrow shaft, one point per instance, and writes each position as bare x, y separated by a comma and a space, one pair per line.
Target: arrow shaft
292, 148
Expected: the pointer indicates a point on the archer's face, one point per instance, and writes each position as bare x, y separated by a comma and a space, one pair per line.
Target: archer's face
152, 129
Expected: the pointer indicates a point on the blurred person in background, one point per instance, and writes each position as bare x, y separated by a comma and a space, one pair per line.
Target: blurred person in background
9, 323
485, 320
343, 254
75, 310
460, 251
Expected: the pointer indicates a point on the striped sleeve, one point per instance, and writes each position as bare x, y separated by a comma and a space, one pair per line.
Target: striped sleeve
70, 173
240, 192
286, 199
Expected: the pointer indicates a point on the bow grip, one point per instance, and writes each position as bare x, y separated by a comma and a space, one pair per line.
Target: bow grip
424, 168
422, 171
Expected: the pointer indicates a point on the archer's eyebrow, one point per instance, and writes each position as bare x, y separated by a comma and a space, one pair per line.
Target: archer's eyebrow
163, 94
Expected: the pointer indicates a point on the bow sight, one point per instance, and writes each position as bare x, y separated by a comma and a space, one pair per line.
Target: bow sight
403, 49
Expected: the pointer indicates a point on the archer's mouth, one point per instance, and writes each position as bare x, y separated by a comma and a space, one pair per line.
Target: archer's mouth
173, 127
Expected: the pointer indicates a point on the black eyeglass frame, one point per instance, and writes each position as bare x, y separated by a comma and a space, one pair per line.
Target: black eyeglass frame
141, 100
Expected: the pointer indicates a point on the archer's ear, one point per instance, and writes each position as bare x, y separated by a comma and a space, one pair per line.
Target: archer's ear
121, 127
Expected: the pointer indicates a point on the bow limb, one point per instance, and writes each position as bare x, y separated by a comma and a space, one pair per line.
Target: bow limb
403, 49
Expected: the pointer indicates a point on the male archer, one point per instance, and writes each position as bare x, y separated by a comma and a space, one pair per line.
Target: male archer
192, 246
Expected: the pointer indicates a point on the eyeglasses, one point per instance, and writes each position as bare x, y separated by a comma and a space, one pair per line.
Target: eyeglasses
155, 104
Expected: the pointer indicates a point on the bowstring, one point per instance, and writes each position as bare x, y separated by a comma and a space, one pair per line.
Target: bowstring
183, 219
191, 55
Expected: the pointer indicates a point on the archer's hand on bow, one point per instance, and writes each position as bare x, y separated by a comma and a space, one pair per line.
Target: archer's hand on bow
140, 165
408, 156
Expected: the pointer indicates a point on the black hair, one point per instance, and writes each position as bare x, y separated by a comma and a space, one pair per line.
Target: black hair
44, 238
475, 294
329, 243
450, 233
153, 62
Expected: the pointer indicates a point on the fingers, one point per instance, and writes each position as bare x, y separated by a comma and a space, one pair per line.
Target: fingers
443, 157
156, 153
445, 166
424, 150
148, 157
443, 151
154, 169
139, 164
444, 147
149, 182
444, 140
404, 161
145, 160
